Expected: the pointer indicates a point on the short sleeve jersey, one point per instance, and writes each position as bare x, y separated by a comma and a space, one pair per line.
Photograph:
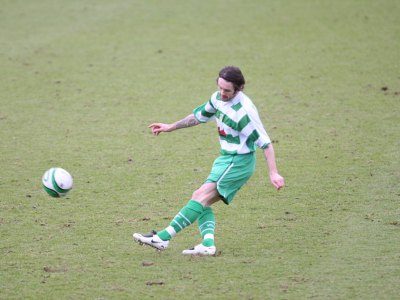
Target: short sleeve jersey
239, 125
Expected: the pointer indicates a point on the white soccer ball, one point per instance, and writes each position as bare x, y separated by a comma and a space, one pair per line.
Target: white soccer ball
57, 182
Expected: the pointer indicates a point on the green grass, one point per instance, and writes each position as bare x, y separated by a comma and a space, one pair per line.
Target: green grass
81, 80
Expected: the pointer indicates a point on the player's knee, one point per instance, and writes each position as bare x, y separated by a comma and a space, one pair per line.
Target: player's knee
206, 194
197, 195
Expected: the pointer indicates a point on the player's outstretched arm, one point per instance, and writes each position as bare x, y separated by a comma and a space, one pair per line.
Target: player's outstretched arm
277, 180
189, 121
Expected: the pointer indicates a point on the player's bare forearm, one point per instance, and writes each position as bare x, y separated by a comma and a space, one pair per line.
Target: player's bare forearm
269, 154
189, 121
277, 180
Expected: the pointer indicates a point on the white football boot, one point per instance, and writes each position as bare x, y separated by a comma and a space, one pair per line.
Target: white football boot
151, 239
200, 250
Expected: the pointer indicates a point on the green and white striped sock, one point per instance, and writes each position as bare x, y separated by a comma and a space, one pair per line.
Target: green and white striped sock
206, 223
184, 218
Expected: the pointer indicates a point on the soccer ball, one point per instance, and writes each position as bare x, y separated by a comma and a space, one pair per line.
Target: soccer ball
57, 182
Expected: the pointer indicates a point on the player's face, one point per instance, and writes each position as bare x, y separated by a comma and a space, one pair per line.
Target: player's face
226, 89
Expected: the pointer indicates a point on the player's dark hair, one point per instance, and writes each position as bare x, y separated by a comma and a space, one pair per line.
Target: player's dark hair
233, 75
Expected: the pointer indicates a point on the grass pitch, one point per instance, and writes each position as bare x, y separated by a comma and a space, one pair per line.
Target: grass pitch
81, 80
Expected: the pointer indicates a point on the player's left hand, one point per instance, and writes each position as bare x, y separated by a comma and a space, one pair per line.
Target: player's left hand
277, 181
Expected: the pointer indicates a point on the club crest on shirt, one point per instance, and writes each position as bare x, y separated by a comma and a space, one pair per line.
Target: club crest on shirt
221, 132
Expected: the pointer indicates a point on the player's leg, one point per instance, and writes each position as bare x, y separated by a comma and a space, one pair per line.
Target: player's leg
204, 196
207, 194
229, 175
206, 222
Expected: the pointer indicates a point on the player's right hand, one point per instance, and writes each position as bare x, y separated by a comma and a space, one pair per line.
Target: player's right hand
157, 128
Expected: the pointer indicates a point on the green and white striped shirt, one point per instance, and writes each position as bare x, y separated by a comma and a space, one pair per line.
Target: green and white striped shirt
239, 125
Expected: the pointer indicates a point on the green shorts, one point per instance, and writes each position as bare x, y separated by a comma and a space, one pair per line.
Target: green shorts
231, 172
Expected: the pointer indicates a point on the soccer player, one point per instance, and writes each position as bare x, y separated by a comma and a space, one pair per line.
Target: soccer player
240, 132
